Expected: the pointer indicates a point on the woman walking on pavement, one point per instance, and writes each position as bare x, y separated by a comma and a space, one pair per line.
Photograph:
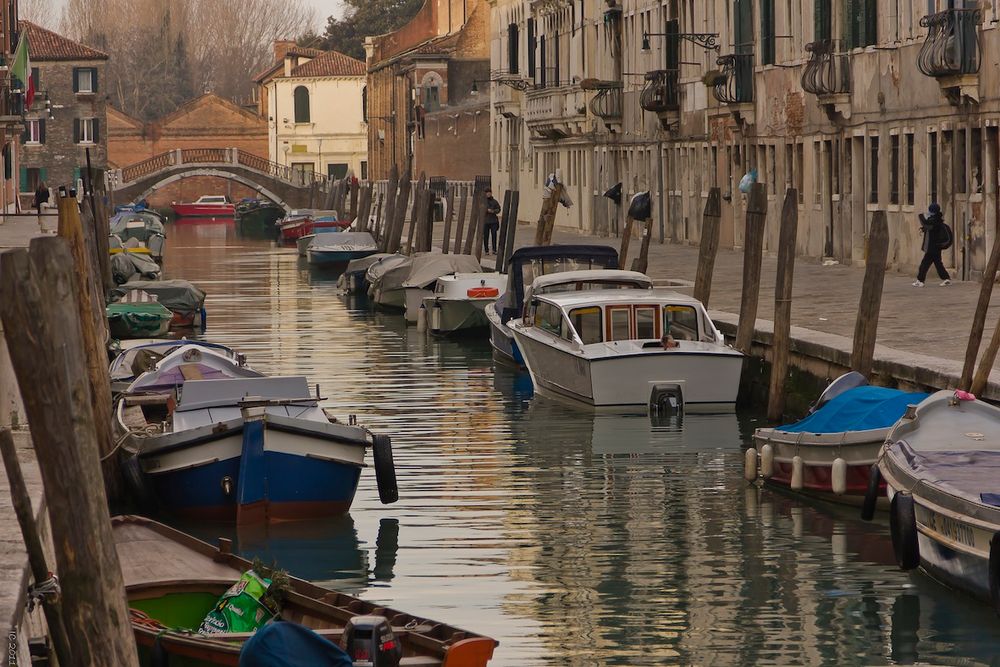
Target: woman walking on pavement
937, 237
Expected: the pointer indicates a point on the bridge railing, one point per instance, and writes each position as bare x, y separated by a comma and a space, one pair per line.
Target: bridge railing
216, 156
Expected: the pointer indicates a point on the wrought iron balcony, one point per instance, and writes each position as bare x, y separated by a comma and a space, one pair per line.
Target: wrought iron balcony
607, 104
828, 71
735, 86
662, 92
952, 47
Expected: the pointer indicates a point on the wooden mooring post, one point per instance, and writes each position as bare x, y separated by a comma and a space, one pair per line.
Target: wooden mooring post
547, 216
463, 207
641, 263
355, 195
783, 304
480, 227
626, 241
709, 246
389, 208
449, 217
866, 327
21, 499
43, 327
415, 212
508, 247
364, 207
979, 318
399, 212
475, 221
753, 251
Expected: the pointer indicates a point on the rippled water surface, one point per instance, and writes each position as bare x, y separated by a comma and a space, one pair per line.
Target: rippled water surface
573, 539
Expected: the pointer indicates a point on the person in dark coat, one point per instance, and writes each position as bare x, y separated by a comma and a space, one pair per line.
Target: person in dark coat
41, 196
491, 223
937, 237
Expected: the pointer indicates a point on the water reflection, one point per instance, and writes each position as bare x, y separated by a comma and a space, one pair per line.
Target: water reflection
573, 538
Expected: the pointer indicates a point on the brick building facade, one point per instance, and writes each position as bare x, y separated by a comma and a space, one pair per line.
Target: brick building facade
205, 122
424, 109
68, 116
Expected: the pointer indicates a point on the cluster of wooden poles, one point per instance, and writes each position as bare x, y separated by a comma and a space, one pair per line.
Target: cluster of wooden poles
52, 304
869, 305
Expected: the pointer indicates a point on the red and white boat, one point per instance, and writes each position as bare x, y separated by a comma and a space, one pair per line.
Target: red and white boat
830, 453
303, 222
207, 206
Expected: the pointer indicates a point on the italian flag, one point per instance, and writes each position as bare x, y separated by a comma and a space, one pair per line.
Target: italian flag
21, 68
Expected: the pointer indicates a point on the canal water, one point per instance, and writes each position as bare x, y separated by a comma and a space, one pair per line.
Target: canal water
573, 539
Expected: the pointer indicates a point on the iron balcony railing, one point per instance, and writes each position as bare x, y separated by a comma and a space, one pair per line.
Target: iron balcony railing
607, 104
736, 84
952, 46
662, 91
828, 71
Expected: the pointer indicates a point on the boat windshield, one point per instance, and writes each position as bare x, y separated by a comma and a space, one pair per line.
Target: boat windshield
624, 322
581, 285
212, 199
681, 322
534, 268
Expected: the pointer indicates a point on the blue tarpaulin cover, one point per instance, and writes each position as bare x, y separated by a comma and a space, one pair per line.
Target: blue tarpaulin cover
285, 644
858, 409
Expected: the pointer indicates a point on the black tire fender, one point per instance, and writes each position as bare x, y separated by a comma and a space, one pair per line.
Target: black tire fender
995, 572
385, 469
872, 493
903, 526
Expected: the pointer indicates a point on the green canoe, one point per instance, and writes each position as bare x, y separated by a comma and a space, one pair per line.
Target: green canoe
138, 320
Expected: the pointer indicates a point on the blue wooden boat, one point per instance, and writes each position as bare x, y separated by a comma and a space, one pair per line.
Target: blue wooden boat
208, 438
340, 248
524, 266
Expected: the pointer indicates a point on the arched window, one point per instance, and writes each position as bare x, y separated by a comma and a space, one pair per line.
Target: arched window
301, 104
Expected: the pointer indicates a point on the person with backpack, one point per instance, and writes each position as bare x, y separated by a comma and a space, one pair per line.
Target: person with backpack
937, 237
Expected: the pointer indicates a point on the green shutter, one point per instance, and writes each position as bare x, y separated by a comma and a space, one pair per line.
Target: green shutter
24, 179
97, 130
822, 19
743, 16
41, 130
43, 175
76, 130
76, 175
93, 74
76, 79
767, 32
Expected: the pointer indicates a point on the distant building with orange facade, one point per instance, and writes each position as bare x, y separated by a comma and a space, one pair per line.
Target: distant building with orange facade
424, 106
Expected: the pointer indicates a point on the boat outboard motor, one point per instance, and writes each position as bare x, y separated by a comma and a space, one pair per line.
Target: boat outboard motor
370, 642
666, 399
843, 384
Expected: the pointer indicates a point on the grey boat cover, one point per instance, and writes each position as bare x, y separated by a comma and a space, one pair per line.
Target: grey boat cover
380, 270
128, 266
362, 265
180, 296
344, 241
200, 394
429, 267
954, 447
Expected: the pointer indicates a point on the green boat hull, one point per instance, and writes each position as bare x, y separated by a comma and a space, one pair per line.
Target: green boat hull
176, 610
138, 320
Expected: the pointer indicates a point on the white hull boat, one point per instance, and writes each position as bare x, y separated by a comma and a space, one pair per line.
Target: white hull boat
941, 468
460, 301
628, 347
427, 269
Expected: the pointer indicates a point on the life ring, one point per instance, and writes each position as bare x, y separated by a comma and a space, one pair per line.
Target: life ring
871, 493
903, 527
995, 572
385, 469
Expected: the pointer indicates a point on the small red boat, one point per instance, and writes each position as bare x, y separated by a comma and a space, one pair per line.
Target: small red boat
301, 223
207, 206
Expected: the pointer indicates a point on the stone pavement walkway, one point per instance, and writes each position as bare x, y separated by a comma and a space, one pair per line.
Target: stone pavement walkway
931, 321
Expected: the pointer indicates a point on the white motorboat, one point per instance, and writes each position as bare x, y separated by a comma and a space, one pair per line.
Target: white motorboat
628, 347
340, 249
527, 264
460, 300
143, 356
426, 270
941, 467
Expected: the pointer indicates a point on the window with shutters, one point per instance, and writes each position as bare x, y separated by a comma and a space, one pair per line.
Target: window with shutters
513, 48
86, 131
873, 170
932, 165
894, 167
861, 22
767, 36
34, 131
542, 61
531, 48
301, 99
84, 80
823, 20
908, 171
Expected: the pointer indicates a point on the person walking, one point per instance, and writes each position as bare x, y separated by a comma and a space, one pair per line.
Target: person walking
937, 237
41, 196
491, 223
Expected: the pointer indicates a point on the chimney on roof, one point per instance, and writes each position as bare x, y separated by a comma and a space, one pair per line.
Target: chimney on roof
281, 48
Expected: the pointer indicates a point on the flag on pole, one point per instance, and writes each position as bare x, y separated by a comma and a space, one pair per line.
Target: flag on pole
21, 68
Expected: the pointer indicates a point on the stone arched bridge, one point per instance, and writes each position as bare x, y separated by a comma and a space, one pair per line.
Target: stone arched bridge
281, 184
